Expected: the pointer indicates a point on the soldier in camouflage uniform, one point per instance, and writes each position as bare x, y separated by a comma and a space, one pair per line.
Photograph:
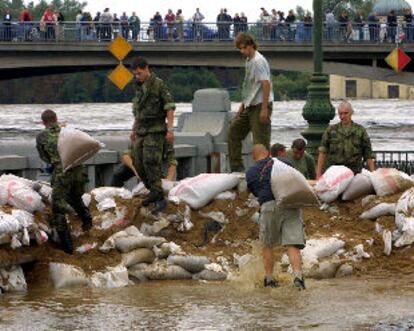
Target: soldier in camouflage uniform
152, 106
127, 170
68, 186
345, 143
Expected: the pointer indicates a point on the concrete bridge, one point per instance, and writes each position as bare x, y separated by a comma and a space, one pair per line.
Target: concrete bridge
364, 60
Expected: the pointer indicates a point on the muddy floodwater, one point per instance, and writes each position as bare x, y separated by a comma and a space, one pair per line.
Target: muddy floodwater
340, 304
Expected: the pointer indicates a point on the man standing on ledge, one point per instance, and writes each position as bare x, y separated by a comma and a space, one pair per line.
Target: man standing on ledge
256, 107
345, 143
152, 105
68, 186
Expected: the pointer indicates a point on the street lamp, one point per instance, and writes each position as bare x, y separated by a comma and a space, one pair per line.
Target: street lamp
318, 110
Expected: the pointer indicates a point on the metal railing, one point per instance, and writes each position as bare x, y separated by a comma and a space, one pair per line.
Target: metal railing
298, 32
401, 160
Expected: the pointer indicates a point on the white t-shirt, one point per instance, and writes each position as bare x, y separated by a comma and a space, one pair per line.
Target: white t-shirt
257, 70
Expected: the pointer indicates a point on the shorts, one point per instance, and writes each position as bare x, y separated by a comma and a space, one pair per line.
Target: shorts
281, 226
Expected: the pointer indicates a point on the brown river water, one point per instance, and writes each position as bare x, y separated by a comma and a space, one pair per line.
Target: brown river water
339, 304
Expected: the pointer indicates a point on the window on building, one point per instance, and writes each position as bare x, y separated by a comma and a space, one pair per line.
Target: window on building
351, 89
393, 91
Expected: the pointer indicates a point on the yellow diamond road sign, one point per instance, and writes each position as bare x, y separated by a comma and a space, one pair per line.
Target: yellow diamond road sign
120, 48
121, 76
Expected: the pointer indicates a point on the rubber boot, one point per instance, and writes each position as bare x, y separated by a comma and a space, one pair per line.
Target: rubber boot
66, 243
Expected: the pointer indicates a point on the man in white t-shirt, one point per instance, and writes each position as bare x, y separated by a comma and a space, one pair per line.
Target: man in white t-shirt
256, 108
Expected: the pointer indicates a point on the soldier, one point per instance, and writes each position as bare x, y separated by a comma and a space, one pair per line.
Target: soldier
68, 187
345, 143
127, 170
301, 160
256, 107
152, 105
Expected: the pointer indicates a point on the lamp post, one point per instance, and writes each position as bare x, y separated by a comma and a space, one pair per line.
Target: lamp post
318, 110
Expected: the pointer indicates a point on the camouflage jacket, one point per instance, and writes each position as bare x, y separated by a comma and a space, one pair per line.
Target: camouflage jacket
346, 146
150, 105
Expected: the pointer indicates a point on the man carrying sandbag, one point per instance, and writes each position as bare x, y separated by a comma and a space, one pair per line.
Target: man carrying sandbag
345, 143
152, 106
68, 186
278, 226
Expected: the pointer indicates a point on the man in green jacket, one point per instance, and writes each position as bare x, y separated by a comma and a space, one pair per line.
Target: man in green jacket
153, 109
345, 143
301, 160
68, 186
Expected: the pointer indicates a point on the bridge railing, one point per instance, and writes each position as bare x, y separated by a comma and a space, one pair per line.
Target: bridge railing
298, 32
401, 160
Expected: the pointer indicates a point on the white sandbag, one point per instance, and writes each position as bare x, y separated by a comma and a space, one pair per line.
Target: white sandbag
210, 275
167, 249
112, 278
162, 271
86, 198
105, 192
127, 244
389, 181
404, 208
359, 253
105, 204
75, 147
140, 189
86, 247
65, 275
344, 270
140, 255
22, 196
228, 195
387, 238
26, 182
200, 190
25, 218
8, 223
154, 228
382, 209
359, 187
217, 216
333, 183
319, 248
407, 237
323, 270
290, 188
45, 192
192, 263
12, 279
138, 271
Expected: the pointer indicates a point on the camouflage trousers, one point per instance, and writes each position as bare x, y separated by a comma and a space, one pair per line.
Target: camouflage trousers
248, 121
68, 189
148, 161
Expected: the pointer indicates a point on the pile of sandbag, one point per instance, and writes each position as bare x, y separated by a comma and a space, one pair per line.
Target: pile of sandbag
340, 180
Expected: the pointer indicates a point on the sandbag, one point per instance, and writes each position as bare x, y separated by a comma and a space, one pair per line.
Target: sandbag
65, 275
323, 270
138, 271
389, 181
359, 187
140, 255
105, 192
210, 275
75, 147
193, 264
407, 237
333, 183
290, 188
319, 248
167, 249
200, 190
8, 223
18, 194
382, 209
162, 271
12, 279
127, 244
404, 208
112, 278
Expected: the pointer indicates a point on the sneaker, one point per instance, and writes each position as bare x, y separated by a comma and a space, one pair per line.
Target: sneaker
160, 205
299, 283
273, 283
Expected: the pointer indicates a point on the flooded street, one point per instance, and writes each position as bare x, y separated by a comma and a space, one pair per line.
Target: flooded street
340, 304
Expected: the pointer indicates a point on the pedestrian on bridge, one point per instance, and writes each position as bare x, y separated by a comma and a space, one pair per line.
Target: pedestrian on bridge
257, 100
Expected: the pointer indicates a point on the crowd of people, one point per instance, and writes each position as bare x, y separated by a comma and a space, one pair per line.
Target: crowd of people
174, 25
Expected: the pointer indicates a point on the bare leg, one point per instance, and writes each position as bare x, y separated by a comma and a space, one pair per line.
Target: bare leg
268, 260
295, 258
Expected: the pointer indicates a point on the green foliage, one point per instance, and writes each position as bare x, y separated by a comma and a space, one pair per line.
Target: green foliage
290, 85
351, 6
184, 82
